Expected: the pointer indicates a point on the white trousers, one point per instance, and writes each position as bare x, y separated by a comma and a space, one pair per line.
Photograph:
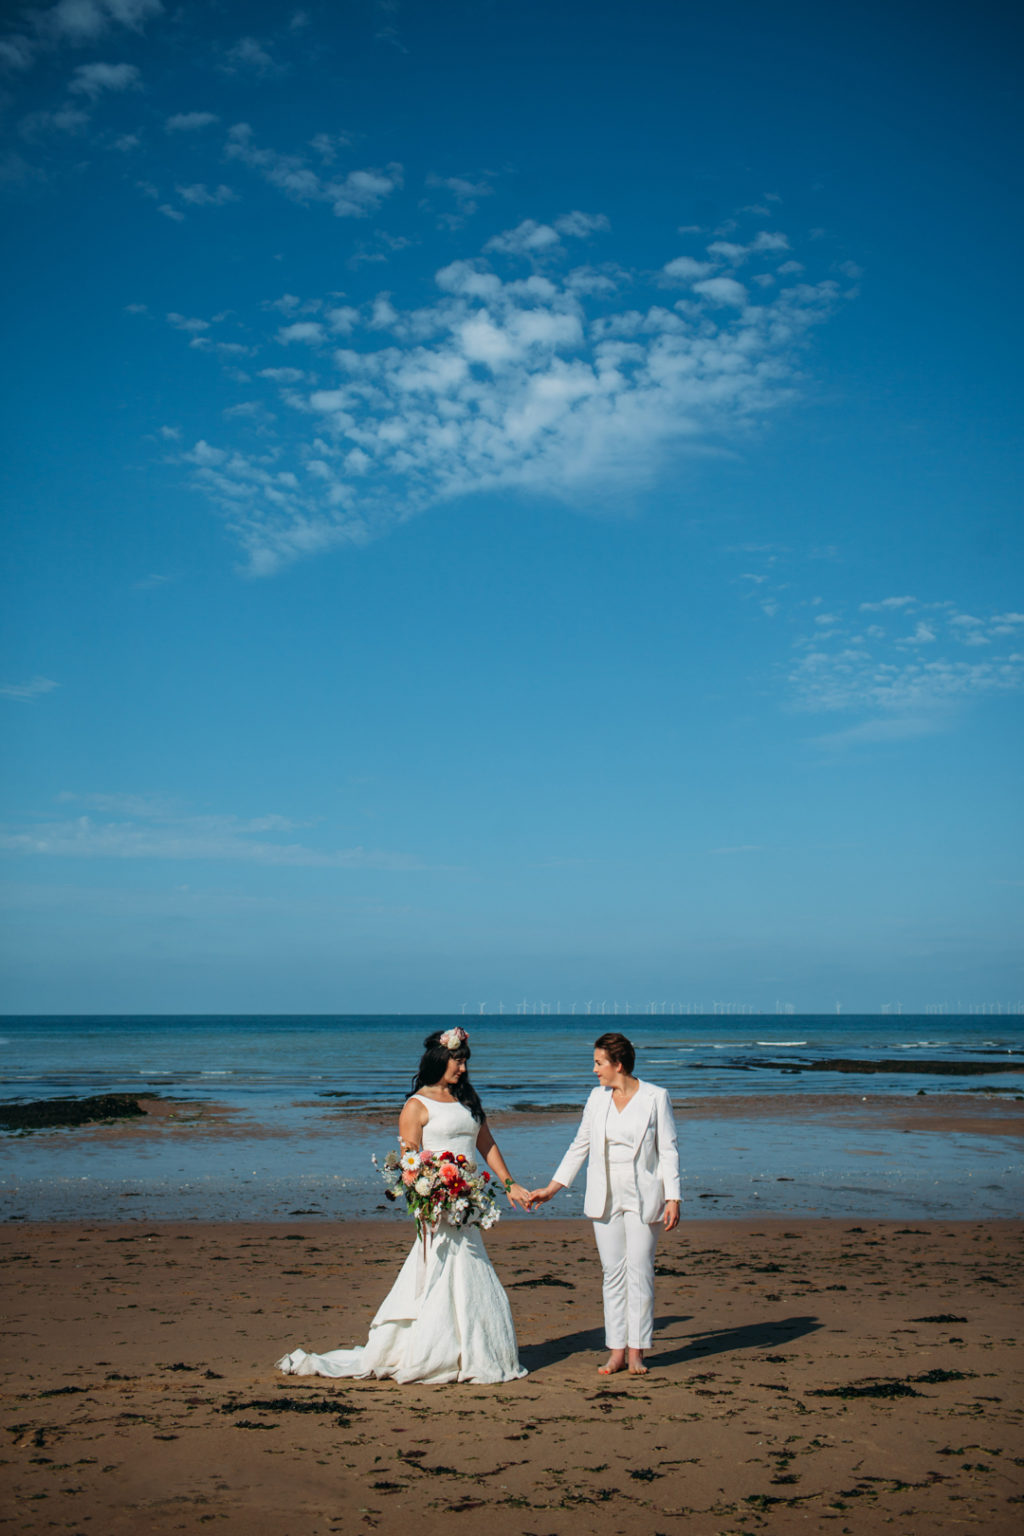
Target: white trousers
626, 1246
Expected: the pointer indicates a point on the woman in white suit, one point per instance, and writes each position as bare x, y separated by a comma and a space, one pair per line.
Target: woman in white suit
627, 1138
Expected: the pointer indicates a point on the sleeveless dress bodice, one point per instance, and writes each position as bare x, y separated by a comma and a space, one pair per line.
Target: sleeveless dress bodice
446, 1317
451, 1128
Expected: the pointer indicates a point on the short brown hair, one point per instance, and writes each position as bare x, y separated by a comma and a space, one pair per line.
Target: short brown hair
617, 1048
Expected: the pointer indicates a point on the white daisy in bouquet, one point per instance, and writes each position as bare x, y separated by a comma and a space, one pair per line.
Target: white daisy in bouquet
440, 1187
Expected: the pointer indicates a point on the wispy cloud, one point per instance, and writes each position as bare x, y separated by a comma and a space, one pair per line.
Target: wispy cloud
354, 196
250, 56
92, 80
25, 692
199, 195
907, 672
147, 827
544, 382
535, 241
466, 194
190, 122
71, 23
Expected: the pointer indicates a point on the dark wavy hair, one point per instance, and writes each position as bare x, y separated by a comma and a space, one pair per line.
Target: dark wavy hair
617, 1048
432, 1067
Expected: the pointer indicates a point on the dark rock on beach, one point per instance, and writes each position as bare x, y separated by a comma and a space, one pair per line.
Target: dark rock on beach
50, 1114
901, 1064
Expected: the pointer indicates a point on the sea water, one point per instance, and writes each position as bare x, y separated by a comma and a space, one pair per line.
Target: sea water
300, 1090
262, 1061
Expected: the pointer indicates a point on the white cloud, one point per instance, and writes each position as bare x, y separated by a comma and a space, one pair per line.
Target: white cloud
66, 119
685, 269
249, 54
83, 21
502, 381
527, 239
24, 692
726, 250
903, 694
532, 240
328, 145
148, 830
770, 242
93, 79
885, 729
888, 602
16, 52
189, 122
70, 22
191, 324
357, 195
578, 226
199, 195
342, 319
309, 331
170, 212
467, 195
282, 375
722, 290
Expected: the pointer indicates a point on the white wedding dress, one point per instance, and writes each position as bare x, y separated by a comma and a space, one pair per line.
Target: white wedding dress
446, 1317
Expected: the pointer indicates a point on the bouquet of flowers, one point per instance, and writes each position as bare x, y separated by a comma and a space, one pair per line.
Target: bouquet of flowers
439, 1186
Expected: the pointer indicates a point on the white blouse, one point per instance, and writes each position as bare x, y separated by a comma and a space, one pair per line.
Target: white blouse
622, 1129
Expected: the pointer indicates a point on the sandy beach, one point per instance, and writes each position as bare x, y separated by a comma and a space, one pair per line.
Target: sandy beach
805, 1376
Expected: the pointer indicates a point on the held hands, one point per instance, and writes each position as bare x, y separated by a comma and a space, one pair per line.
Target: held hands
542, 1196
517, 1195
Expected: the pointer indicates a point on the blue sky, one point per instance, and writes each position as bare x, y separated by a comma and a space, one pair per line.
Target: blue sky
510, 501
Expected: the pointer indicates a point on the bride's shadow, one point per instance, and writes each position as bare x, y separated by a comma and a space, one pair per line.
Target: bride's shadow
698, 1346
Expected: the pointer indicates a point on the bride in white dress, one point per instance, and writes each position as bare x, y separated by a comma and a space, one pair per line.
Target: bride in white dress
446, 1317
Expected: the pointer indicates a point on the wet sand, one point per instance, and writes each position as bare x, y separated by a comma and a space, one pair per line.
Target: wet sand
806, 1375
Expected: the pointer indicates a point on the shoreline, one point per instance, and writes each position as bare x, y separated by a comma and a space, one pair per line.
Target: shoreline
974, 1111
941, 1156
819, 1374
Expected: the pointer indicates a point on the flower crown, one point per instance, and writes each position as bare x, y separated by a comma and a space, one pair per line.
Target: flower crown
453, 1038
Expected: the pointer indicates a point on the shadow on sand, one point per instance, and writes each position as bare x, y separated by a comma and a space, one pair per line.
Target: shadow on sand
718, 1341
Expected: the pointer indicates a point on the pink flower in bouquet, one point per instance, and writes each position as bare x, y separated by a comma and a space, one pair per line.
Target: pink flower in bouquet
450, 1174
409, 1176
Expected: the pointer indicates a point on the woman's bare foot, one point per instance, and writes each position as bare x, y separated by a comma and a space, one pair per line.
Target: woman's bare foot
636, 1363
616, 1362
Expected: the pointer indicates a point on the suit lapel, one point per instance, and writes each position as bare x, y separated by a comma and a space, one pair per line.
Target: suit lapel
649, 1103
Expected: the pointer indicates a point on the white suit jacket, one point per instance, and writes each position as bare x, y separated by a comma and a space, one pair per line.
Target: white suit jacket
656, 1160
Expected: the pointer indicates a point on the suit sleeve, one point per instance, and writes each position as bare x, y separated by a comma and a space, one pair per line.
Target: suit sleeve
578, 1152
668, 1150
